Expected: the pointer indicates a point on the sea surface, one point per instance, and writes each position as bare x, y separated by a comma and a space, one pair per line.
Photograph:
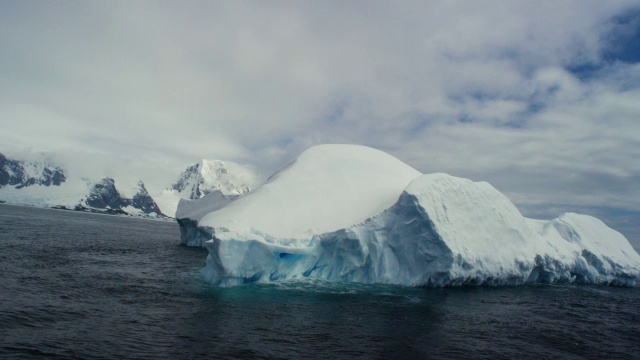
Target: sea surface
80, 286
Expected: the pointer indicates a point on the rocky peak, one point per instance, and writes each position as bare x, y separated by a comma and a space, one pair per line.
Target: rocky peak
104, 195
206, 176
143, 201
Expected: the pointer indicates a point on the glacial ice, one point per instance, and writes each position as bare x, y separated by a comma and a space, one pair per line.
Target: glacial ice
356, 214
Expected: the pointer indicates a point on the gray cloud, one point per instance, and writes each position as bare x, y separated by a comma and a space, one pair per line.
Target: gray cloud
492, 91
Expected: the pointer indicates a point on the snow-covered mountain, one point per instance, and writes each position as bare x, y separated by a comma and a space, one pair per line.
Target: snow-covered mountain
207, 176
221, 180
42, 184
20, 174
104, 195
352, 213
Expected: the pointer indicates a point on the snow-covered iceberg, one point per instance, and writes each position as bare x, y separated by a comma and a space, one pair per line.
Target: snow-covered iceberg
352, 213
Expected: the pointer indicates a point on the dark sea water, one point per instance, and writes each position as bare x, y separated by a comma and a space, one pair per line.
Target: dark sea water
77, 285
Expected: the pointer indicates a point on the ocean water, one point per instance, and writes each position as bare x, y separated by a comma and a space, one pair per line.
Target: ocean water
76, 285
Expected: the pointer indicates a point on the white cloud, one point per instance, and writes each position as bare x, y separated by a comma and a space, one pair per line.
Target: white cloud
477, 89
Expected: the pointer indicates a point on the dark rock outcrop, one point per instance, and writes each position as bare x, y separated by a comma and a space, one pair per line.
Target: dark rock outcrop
105, 195
143, 201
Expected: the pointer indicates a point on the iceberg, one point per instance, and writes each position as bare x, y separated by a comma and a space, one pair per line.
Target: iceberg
355, 214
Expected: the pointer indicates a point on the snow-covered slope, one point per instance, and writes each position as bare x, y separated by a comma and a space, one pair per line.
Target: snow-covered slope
67, 194
351, 213
225, 179
38, 183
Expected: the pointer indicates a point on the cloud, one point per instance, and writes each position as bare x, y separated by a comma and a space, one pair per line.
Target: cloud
540, 99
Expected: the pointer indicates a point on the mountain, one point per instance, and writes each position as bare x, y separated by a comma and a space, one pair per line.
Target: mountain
352, 213
20, 174
207, 176
221, 180
42, 184
104, 195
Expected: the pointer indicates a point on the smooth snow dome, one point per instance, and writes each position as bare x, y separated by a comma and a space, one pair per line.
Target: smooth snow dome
328, 187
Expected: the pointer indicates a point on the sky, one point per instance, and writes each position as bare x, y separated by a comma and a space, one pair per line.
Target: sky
541, 99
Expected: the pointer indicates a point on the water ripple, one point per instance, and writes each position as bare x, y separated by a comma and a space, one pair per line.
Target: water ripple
79, 286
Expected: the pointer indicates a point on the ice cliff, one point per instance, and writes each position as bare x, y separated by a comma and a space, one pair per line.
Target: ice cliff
352, 213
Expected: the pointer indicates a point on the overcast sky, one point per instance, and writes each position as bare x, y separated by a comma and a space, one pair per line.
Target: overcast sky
540, 98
